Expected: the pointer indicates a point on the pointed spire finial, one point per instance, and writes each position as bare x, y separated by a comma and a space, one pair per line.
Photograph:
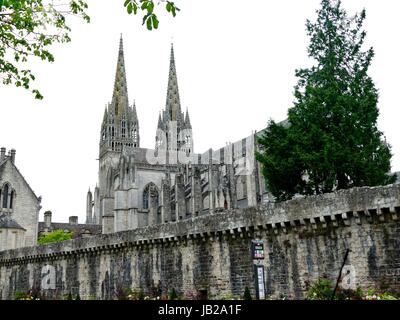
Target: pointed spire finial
120, 93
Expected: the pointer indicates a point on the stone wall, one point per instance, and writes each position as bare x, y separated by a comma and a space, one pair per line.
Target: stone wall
304, 239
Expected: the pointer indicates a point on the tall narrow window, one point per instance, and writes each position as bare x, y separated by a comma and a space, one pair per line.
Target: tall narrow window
5, 196
12, 196
146, 198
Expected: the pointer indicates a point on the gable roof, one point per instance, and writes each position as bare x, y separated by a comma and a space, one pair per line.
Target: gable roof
3, 165
6, 222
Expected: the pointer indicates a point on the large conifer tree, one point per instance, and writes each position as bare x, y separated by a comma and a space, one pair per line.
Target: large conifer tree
332, 141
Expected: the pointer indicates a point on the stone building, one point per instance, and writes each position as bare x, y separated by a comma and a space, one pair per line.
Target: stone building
78, 230
19, 206
139, 187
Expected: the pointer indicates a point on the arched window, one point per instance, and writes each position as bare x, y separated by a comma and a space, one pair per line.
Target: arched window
5, 196
12, 196
146, 198
150, 191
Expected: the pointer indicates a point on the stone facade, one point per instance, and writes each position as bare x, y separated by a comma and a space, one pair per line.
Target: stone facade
140, 187
304, 239
19, 206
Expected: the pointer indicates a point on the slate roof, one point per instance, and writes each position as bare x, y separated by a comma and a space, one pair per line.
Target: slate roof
6, 222
77, 229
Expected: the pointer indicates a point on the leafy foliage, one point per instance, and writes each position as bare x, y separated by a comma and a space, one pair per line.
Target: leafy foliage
27, 29
247, 294
147, 6
322, 289
331, 140
55, 236
173, 295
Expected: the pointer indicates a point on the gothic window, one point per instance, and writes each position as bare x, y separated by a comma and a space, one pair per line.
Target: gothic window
146, 198
123, 132
5, 194
244, 188
12, 196
104, 135
150, 191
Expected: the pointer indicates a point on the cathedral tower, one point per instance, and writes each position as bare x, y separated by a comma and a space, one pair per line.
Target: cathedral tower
120, 125
174, 130
119, 131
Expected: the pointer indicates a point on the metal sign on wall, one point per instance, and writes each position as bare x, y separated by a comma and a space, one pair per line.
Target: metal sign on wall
258, 254
260, 282
257, 250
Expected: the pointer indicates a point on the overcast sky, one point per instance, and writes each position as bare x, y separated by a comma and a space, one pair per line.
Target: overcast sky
235, 63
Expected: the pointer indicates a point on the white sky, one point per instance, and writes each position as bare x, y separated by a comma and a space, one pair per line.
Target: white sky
235, 63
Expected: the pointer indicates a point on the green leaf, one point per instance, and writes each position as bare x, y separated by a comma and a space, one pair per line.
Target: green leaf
150, 7
129, 8
168, 7
155, 21
127, 2
149, 23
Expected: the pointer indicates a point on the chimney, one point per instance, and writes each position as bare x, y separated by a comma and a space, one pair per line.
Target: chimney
73, 220
47, 219
13, 155
2, 153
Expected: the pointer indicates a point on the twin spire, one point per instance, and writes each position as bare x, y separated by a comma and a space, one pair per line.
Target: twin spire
173, 103
120, 99
124, 118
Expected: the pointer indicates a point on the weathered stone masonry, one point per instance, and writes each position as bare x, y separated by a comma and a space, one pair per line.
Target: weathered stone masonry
304, 239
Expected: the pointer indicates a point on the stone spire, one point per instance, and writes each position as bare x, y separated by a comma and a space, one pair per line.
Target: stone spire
187, 120
160, 123
120, 93
120, 125
173, 104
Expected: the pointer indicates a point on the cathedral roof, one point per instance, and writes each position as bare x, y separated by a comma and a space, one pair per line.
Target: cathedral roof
6, 222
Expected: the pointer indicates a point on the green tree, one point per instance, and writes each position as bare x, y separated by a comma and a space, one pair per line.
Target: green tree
55, 236
332, 140
27, 29
147, 7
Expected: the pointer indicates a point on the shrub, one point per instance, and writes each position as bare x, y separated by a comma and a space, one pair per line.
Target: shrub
247, 294
320, 290
55, 236
173, 295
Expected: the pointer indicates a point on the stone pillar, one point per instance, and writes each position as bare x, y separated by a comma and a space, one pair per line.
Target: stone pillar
89, 205
196, 199
2, 153
96, 208
107, 208
211, 182
251, 172
180, 197
153, 205
165, 201
108, 223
